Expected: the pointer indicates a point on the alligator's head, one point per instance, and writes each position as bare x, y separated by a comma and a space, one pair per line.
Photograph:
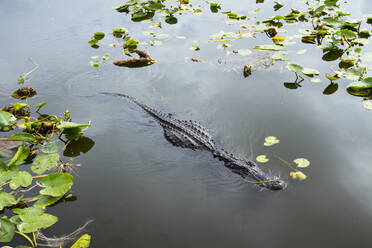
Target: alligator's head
264, 179
249, 169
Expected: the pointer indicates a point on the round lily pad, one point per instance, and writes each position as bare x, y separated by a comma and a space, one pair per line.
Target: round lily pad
302, 162
262, 159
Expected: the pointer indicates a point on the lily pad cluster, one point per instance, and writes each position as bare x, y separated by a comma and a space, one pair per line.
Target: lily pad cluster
33, 175
300, 163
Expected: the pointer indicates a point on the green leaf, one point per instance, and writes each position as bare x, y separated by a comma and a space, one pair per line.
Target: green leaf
332, 55
277, 5
39, 105
94, 63
6, 119
354, 73
214, 7
19, 105
51, 147
57, 184
99, 35
302, 162
22, 137
195, 47
29, 211
262, 159
271, 140
6, 229
20, 156
171, 19
32, 223
45, 162
82, 242
310, 72
68, 124
294, 67
22, 178
6, 200
73, 133
45, 200
360, 88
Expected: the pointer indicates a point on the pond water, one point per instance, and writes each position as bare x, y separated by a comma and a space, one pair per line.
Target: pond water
143, 192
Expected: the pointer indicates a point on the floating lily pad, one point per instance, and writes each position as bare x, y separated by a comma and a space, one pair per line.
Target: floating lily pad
268, 47
302, 162
262, 159
367, 104
6, 120
56, 184
294, 67
7, 230
271, 140
360, 88
82, 242
45, 162
310, 72
32, 223
22, 178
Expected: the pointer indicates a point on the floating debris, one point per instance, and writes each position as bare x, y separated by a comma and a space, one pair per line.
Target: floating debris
143, 60
23, 93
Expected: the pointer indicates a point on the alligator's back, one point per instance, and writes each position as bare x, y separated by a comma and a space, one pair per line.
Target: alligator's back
182, 133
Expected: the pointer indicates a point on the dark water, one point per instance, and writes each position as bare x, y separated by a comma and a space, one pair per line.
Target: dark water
143, 192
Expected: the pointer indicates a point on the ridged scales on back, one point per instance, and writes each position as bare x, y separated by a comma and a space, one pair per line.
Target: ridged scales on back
191, 134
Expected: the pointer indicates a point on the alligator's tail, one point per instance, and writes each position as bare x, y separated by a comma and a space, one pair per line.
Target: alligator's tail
148, 109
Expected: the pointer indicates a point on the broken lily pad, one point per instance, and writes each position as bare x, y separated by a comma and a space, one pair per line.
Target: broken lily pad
298, 175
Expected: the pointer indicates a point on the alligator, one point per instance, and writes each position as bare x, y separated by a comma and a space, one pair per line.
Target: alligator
192, 135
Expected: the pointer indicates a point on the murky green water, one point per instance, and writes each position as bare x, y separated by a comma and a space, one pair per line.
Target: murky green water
143, 192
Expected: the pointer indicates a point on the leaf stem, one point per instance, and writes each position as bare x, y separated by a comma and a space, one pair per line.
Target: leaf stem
26, 237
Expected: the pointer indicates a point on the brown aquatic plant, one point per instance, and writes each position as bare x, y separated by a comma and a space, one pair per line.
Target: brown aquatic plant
24, 92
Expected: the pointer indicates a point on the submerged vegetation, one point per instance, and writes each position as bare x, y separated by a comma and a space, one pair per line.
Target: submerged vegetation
324, 24
33, 173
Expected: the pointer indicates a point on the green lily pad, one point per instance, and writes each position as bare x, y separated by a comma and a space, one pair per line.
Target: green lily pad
69, 124
45, 162
294, 67
45, 200
82, 242
6, 200
7, 229
32, 223
22, 178
262, 159
6, 120
330, 89
310, 72
302, 162
271, 140
56, 184
360, 88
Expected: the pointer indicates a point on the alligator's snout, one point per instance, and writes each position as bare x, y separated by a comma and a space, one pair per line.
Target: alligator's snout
277, 185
